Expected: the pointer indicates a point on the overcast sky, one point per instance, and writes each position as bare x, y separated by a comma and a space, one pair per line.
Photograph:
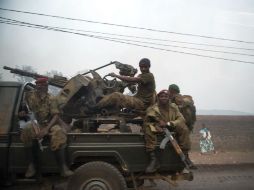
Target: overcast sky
213, 83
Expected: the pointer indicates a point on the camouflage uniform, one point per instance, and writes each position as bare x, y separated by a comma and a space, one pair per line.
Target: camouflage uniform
120, 100
43, 109
143, 99
154, 115
187, 108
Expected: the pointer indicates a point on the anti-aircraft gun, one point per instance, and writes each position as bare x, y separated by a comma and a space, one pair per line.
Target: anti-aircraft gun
82, 91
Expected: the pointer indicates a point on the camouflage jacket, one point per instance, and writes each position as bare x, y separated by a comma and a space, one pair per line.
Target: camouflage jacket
153, 116
42, 107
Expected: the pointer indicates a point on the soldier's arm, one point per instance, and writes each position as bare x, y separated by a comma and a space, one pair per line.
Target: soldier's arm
126, 78
54, 112
44, 131
179, 117
153, 120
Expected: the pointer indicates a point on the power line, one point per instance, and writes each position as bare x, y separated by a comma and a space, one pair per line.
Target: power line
123, 42
126, 26
159, 39
150, 43
156, 39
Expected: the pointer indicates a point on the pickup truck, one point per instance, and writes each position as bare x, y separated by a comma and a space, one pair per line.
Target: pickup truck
100, 160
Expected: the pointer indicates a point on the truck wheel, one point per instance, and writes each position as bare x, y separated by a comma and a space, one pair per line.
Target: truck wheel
97, 175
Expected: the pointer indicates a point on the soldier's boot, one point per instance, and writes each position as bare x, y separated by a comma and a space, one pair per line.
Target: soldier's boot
154, 163
32, 154
189, 162
31, 171
60, 159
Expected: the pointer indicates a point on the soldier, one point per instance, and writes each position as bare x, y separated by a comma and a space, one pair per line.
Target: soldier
47, 121
186, 106
145, 93
160, 115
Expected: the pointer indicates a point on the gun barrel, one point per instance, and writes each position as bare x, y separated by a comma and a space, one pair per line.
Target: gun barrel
111, 63
57, 81
7, 68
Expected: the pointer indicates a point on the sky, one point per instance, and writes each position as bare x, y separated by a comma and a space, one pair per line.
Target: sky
213, 83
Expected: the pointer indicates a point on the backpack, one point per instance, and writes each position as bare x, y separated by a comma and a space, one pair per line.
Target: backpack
188, 109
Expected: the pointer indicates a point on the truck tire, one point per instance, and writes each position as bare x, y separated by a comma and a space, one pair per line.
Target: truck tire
97, 175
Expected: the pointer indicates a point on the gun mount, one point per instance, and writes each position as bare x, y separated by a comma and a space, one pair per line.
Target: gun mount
81, 92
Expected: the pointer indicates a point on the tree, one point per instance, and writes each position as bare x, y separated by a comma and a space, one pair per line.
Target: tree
52, 89
24, 79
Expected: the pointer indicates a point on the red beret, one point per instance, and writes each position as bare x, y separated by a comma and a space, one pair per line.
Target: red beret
163, 91
42, 80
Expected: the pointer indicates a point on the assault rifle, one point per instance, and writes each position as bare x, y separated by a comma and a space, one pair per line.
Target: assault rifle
57, 80
169, 137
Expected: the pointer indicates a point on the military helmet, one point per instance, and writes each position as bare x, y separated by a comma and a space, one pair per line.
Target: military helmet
174, 87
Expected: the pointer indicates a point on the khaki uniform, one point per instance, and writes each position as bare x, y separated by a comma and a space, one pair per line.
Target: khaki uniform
173, 115
43, 109
144, 98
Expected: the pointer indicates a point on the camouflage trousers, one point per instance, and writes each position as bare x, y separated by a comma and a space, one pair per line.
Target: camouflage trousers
182, 137
57, 136
120, 100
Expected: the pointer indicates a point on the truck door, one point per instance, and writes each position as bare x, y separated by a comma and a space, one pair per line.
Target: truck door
8, 100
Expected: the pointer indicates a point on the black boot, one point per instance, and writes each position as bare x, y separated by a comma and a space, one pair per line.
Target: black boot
154, 163
34, 158
37, 159
31, 170
60, 159
189, 162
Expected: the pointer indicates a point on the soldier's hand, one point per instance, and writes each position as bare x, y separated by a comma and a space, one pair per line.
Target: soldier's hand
162, 123
159, 129
22, 114
112, 74
43, 132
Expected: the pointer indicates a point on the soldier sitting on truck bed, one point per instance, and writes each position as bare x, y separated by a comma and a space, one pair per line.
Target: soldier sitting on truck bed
161, 115
47, 121
145, 96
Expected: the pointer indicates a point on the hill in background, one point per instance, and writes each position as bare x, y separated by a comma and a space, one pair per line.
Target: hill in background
222, 112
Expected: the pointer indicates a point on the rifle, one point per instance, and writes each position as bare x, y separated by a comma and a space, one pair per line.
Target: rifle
57, 80
169, 137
